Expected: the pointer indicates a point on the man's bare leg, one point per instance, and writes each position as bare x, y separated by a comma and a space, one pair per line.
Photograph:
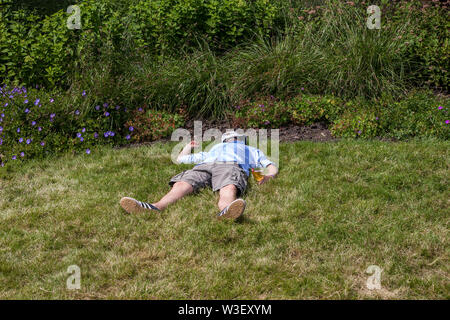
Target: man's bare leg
226, 196
178, 191
230, 207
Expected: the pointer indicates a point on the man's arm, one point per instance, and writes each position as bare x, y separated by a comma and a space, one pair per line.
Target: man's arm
185, 155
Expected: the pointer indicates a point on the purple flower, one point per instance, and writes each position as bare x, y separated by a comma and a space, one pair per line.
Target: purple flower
106, 114
97, 108
37, 102
131, 128
117, 107
6, 104
28, 141
83, 130
78, 135
111, 134
106, 134
88, 151
302, 88
83, 93
81, 139
447, 121
40, 129
27, 110
20, 140
441, 107
359, 131
77, 112
267, 122
14, 157
33, 123
52, 116
376, 118
128, 137
95, 135
140, 109
22, 154
105, 105
52, 100
26, 101
42, 143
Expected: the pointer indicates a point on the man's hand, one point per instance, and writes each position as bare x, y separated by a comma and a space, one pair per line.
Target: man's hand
273, 171
187, 149
265, 179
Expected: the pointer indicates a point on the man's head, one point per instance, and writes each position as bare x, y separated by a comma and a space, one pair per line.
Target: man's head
232, 135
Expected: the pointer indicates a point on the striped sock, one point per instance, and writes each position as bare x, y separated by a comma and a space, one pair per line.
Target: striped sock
147, 205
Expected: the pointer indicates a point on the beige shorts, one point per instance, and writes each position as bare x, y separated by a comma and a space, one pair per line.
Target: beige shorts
214, 175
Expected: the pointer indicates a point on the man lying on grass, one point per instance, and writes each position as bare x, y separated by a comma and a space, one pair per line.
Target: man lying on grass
225, 168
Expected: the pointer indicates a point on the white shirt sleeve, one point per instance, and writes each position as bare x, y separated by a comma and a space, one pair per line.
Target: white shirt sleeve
193, 158
263, 161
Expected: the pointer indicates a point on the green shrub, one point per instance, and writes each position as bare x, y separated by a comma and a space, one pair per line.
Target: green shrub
307, 109
263, 112
363, 124
165, 25
149, 124
427, 42
35, 123
420, 114
270, 112
36, 50
331, 53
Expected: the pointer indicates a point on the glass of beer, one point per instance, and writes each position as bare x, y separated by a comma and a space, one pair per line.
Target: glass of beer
258, 174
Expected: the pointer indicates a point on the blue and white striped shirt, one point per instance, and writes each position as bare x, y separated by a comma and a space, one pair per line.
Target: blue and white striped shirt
237, 151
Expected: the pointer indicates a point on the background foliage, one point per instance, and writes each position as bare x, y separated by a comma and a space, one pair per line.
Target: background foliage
302, 61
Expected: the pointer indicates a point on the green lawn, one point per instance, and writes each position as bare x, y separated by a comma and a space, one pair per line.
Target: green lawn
335, 209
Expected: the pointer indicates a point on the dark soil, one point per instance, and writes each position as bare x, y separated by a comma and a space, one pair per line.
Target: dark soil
317, 132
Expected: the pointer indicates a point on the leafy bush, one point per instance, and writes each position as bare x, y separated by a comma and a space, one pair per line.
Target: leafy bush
36, 50
269, 112
420, 114
149, 125
427, 42
35, 123
263, 112
165, 25
330, 51
363, 124
307, 109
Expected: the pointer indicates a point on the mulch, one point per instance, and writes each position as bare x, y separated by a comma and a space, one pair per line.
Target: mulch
316, 132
